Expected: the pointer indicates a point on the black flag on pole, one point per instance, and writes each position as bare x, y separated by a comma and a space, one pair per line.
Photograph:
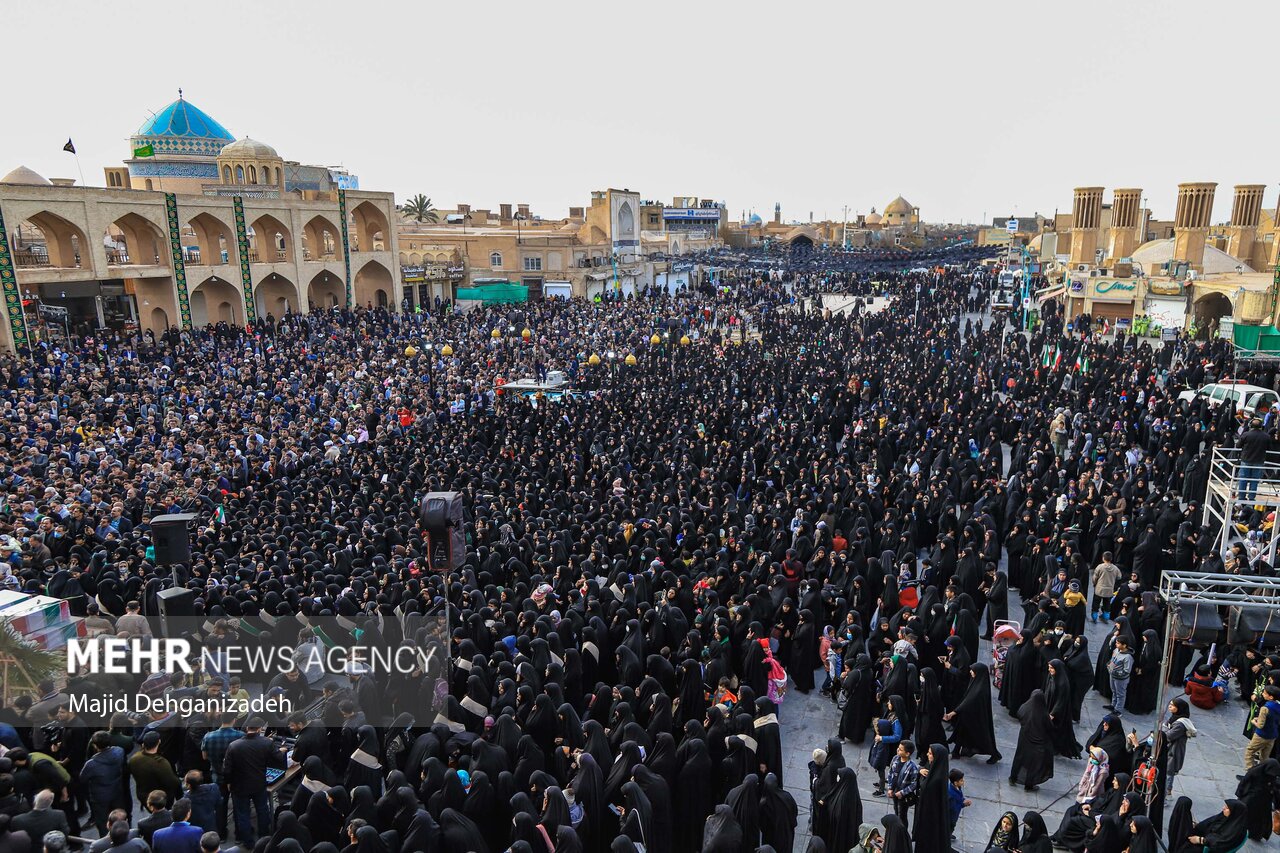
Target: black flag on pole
69, 146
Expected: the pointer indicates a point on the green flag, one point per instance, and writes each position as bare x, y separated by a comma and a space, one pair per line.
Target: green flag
147, 150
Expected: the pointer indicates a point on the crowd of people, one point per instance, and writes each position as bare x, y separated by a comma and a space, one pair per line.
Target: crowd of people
833, 504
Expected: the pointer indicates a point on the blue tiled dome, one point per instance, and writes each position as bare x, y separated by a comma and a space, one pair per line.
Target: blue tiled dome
182, 118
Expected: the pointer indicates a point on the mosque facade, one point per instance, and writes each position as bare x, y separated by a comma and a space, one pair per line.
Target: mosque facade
194, 227
898, 225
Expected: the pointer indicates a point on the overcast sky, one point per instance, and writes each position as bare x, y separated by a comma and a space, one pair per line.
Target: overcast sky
965, 108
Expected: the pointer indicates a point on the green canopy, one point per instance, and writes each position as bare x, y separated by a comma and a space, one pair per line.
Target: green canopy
493, 293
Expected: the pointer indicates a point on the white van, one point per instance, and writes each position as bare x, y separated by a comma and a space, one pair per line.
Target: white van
1248, 399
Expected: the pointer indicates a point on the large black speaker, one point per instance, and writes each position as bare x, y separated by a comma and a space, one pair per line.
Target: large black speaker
1250, 624
1196, 622
441, 510
442, 520
171, 535
177, 609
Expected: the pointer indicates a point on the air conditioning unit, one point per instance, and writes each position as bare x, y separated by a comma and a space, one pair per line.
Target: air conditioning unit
1082, 267
1101, 272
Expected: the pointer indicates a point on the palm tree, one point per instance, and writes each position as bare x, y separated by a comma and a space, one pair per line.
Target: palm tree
419, 209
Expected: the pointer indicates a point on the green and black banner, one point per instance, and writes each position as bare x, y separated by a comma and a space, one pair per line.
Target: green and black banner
13, 297
246, 275
179, 263
346, 241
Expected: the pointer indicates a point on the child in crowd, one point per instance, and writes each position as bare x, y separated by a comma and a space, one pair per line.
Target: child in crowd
955, 798
888, 736
723, 695
903, 780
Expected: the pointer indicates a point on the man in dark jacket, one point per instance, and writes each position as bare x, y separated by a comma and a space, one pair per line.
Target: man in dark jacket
312, 739
158, 818
205, 799
1254, 445
42, 818
151, 771
245, 772
103, 779
179, 836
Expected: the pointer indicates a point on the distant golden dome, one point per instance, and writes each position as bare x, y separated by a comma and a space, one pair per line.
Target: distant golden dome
249, 148
898, 207
873, 218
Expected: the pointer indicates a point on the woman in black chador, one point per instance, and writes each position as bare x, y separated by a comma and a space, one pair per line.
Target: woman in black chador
859, 688
1033, 759
973, 727
1057, 697
932, 829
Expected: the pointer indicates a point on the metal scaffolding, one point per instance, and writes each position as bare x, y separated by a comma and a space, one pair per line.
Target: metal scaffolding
1236, 592
1233, 485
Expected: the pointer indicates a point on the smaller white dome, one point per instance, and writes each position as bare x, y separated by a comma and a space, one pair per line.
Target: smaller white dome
23, 175
250, 148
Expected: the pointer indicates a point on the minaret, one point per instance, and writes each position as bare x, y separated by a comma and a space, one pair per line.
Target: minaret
1191, 222
777, 213
1126, 206
1086, 223
1246, 211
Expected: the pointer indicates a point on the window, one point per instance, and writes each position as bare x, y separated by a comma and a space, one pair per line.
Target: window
495, 260
239, 174
653, 219
226, 174
266, 174
148, 183
533, 264
253, 174
626, 220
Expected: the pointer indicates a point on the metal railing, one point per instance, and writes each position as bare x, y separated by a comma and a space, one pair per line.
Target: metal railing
1226, 470
1235, 487
31, 259
117, 257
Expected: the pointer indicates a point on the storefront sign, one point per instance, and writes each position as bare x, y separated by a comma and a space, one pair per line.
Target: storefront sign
1165, 288
1114, 288
1077, 285
698, 214
434, 273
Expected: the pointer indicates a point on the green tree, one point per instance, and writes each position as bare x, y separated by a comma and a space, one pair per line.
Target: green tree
419, 209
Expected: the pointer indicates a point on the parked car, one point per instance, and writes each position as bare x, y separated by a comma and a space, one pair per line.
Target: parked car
1249, 399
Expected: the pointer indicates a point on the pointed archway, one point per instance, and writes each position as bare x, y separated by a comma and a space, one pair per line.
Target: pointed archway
374, 286
216, 300
326, 290
275, 295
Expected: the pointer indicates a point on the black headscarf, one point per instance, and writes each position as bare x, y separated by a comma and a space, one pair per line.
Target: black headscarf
721, 833
932, 829
843, 811
745, 802
1033, 760
973, 726
778, 815
1035, 835
896, 839
459, 834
